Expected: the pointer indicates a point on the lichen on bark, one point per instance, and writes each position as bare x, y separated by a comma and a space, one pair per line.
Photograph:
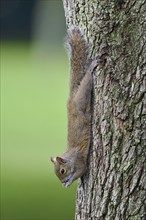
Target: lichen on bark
114, 186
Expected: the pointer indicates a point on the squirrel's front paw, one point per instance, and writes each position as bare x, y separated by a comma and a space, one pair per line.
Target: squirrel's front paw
68, 182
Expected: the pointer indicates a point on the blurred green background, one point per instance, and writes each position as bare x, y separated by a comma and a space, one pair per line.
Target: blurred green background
34, 90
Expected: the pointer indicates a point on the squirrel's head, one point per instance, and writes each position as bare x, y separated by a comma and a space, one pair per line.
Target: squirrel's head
63, 170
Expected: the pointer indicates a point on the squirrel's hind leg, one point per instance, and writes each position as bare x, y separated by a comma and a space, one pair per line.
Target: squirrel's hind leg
83, 95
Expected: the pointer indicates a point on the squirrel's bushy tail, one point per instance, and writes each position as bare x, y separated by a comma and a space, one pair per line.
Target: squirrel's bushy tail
78, 49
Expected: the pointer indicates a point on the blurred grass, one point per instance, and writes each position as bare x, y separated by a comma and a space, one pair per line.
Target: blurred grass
33, 127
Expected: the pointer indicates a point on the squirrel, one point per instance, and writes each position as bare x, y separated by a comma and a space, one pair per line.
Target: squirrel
73, 163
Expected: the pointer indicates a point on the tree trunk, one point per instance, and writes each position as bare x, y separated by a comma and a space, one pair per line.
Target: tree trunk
114, 185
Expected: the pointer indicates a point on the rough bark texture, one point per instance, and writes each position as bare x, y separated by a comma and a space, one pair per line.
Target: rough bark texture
114, 186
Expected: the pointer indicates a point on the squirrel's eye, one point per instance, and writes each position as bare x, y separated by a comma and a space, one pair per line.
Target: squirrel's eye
62, 171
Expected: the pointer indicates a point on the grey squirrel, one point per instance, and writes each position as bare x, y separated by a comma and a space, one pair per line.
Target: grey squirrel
73, 163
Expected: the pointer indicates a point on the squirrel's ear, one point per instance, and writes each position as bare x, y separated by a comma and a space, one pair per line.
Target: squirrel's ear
61, 160
53, 159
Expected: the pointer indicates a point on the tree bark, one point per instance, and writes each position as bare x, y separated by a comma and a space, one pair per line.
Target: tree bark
114, 186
